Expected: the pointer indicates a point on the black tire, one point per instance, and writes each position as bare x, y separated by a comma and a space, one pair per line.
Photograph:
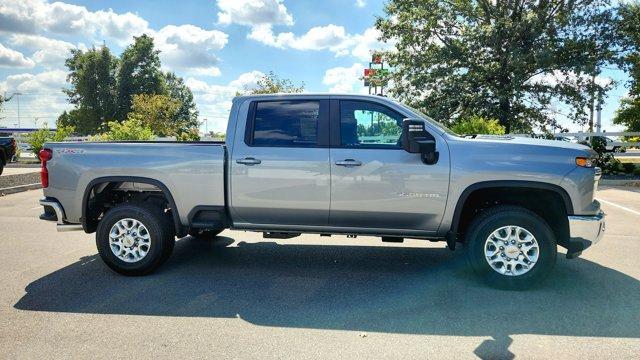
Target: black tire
161, 233
206, 235
1, 167
493, 219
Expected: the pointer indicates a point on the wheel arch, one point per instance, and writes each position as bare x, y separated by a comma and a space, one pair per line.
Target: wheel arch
523, 186
89, 227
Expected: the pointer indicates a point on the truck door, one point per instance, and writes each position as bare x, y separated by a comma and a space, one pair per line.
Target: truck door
375, 184
280, 164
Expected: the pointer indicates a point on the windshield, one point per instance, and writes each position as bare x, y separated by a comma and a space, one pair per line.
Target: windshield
437, 124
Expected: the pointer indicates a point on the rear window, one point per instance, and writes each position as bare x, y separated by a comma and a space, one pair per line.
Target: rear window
286, 123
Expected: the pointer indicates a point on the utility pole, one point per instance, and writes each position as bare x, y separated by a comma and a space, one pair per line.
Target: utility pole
18, 98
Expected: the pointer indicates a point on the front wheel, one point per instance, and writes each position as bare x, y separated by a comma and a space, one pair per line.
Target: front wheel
135, 238
511, 247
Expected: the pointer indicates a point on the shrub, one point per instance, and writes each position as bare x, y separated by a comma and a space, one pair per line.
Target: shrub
478, 125
636, 171
628, 168
131, 130
605, 161
37, 139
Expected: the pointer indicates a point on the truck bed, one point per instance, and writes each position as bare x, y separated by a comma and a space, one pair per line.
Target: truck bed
193, 172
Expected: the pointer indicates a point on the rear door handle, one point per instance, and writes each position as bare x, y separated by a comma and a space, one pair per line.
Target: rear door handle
248, 161
348, 162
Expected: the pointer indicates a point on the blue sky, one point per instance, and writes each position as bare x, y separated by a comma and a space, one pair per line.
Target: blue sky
218, 47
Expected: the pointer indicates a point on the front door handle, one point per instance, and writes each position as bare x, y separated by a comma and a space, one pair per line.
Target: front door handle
348, 162
248, 161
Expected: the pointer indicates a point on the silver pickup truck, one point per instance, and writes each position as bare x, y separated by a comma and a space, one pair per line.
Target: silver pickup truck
331, 164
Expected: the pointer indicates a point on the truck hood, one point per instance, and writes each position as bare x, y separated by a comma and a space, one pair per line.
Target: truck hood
512, 141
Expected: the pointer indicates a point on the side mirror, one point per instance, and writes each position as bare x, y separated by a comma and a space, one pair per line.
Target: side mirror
416, 139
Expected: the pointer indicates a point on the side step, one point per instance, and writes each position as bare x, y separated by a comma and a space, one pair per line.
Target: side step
279, 235
392, 239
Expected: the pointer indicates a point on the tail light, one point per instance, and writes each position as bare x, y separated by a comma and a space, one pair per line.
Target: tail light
45, 155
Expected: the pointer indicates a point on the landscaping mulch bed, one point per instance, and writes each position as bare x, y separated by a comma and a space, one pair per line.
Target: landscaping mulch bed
7, 181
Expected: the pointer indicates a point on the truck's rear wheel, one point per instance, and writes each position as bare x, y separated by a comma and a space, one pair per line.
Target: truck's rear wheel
511, 247
135, 238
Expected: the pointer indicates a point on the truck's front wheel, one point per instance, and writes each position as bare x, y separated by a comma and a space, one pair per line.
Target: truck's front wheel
511, 247
135, 238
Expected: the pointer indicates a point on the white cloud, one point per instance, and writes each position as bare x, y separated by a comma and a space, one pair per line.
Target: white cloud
361, 3
190, 48
41, 98
13, 58
32, 16
48, 52
330, 37
253, 12
214, 101
344, 79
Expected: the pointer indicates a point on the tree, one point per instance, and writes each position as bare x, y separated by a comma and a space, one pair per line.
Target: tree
186, 117
475, 125
629, 29
139, 73
128, 130
92, 91
37, 139
272, 84
504, 60
157, 112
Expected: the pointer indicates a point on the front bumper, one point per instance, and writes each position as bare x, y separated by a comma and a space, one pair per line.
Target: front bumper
584, 231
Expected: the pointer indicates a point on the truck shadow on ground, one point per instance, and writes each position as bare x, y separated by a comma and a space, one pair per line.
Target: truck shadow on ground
362, 288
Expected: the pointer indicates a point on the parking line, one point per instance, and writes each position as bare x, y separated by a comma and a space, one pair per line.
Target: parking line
620, 206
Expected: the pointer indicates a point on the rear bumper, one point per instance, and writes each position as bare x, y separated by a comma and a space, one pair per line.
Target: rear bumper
584, 231
53, 211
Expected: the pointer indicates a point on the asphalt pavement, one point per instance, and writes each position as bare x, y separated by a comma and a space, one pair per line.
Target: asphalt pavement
242, 296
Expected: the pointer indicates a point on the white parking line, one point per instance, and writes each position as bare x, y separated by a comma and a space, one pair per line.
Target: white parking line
620, 206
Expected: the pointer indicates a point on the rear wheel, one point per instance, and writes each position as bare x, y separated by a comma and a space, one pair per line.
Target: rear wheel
511, 247
135, 238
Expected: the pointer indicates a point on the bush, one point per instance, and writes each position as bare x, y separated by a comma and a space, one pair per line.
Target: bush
628, 168
605, 161
478, 125
128, 130
636, 171
37, 139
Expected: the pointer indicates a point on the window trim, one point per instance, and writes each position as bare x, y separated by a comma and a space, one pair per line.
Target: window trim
336, 133
323, 124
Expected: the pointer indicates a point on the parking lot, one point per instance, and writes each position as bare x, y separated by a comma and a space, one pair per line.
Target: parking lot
310, 297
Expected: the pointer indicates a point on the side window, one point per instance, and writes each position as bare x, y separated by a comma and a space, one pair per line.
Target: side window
286, 123
365, 124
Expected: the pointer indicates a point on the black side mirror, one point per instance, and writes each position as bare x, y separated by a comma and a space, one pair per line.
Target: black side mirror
416, 139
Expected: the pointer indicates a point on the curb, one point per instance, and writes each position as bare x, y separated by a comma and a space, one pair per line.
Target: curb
612, 182
20, 188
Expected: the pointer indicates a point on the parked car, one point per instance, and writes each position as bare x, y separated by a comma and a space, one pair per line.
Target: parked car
7, 151
295, 164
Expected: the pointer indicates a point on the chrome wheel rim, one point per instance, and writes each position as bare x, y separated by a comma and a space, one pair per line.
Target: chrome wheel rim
511, 250
129, 240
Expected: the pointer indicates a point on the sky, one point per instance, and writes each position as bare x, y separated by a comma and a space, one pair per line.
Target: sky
217, 46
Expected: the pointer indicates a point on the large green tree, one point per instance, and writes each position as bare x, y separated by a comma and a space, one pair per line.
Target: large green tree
92, 75
186, 117
139, 73
629, 29
103, 87
520, 61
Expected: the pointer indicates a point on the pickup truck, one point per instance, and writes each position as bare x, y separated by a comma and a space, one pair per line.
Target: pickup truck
7, 151
331, 164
